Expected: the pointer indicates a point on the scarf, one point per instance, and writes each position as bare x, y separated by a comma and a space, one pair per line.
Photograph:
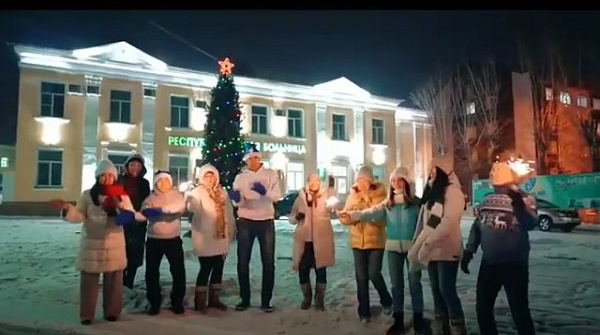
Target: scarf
216, 194
311, 197
111, 195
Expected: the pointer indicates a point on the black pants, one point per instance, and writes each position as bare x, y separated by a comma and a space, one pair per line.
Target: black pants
264, 231
135, 241
155, 250
211, 269
308, 262
367, 266
515, 280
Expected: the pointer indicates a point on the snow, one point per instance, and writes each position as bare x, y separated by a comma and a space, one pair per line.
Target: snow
39, 289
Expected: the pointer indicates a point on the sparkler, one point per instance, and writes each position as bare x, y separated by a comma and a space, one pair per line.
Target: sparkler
519, 166
332, 201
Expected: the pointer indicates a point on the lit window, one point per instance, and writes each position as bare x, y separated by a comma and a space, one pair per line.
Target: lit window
582, 101
549, 94
565, 98
471, 108
178, 168
295, 176
4, 162
340, 174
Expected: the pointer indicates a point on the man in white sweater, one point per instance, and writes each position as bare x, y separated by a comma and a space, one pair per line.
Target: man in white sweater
255, 189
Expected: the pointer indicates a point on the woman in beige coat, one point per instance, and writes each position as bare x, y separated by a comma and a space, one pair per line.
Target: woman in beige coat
313, 239
103, 209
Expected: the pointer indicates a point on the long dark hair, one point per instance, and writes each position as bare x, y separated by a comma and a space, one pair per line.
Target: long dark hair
408, 197
437, 191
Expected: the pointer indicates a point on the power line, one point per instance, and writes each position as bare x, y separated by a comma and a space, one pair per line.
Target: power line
181, 39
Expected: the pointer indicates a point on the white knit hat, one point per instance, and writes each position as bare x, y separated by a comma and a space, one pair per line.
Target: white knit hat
365, 172
106, 166
162, 174
401, 172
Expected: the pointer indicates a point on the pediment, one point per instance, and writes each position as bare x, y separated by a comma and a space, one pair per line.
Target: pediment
120, 52
343, 85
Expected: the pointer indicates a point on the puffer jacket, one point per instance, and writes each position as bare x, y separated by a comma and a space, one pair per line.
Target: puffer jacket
366, 234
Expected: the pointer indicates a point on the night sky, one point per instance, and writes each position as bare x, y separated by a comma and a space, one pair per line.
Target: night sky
388, 53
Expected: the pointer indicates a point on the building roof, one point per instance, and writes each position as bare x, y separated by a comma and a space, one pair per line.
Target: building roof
123, 60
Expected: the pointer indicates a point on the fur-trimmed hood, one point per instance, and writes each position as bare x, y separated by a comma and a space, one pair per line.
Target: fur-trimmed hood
362, 200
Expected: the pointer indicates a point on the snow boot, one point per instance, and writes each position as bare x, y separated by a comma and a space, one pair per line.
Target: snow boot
320, 296
441, 325
457, 327
397, 328
214, 300
200, 299
307, 296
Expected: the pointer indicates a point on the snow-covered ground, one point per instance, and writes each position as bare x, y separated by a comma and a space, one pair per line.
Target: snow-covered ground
39, 288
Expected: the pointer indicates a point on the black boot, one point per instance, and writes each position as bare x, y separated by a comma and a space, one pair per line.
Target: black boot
457, 327
397, 327
442, 325
419, 325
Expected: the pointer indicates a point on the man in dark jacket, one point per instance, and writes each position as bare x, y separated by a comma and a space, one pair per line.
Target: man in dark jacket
501, 228
138, 189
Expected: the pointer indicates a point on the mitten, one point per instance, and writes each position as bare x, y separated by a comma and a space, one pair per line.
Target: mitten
125, 218
300, 216
465, 260
259, 188
235, 195
152, 213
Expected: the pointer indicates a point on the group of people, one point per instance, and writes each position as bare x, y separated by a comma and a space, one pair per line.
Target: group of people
121, 216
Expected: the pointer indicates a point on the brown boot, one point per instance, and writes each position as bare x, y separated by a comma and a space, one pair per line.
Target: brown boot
307, 294
200, 299
441, 325
320, 297
214, 300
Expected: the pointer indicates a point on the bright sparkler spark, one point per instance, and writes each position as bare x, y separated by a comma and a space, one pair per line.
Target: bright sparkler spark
332, 201
519, 166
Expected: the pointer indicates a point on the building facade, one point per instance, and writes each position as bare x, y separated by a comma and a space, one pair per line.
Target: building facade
79, 106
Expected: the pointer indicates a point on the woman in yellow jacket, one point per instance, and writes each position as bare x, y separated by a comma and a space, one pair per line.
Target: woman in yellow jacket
367, 240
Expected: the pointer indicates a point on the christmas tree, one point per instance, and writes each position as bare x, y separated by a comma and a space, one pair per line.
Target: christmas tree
224, 146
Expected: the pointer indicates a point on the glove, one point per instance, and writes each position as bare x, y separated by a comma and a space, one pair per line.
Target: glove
465, 260
300, 216
258, 188
235, 195
125, 218
152, 213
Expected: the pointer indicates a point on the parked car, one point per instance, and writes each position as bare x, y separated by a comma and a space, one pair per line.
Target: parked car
551, 216
284, 206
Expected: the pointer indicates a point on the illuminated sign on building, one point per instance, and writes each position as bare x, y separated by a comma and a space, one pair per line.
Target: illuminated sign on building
196, 142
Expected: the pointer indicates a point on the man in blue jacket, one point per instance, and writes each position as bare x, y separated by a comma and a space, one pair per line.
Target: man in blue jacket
501, 228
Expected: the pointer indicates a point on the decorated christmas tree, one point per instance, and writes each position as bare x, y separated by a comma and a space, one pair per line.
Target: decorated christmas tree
224, 146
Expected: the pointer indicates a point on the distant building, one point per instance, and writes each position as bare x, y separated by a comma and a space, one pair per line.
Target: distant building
79, 106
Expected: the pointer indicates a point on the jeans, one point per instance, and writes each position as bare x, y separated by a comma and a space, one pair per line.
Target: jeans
211, 270
264, 231
307, 262
515, 280
396, 261
442, 275
155, 250
367, 266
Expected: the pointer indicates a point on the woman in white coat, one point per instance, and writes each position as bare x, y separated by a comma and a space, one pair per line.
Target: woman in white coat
213, 230
313, 239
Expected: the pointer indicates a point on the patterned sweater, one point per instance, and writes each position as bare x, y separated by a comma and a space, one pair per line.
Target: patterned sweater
501, 228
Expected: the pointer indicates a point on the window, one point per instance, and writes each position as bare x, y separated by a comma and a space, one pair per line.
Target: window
295, 176
338, 123
549, 94
178, 168
295, 123
49, 169
4, 162
120, 106
118, 159
180, 112
565, 98
149, 92
378, 131
596, 103
259, 120
379, 173
340, 174
53, 100
75, 89
582, 101
93, 89
200, 104
471, 108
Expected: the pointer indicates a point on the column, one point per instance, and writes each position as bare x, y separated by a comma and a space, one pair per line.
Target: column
322, 142
358, 152
90, 134
148, 116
